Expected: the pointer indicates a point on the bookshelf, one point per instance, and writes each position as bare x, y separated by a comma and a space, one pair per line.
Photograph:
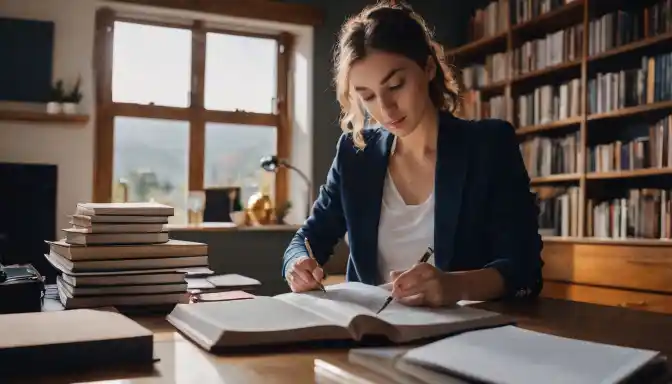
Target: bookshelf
547, 87
588, 86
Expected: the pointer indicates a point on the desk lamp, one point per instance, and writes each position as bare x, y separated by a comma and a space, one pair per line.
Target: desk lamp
272, 163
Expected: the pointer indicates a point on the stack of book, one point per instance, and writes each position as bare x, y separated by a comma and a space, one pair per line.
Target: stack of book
120, 254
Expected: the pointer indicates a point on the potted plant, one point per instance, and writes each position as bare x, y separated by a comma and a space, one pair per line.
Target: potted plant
72, 98
282, 211
54, 106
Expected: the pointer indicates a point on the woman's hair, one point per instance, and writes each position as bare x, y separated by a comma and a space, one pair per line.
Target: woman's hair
394, 29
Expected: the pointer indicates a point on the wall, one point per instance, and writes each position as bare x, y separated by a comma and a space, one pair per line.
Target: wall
70, 146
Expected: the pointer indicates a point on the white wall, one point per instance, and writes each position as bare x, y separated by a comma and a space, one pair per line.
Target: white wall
70, 146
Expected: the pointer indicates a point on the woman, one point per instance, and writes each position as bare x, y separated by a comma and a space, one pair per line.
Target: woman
421, 177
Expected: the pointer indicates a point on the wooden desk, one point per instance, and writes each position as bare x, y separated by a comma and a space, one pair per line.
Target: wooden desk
183, 362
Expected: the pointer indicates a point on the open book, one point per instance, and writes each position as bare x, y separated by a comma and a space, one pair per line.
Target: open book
510, 354
346, 311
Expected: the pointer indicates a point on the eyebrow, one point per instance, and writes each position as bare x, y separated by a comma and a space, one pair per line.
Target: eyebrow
384, 80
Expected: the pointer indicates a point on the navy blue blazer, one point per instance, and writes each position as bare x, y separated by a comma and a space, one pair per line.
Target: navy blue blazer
485, 214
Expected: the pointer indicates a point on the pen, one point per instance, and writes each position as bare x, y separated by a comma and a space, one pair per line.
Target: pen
312, 256
428, 253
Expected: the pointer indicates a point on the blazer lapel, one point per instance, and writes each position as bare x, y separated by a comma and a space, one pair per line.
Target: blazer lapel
373, 182
451, 169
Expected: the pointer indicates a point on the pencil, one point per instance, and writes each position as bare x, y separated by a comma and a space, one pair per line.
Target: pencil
312, 256
428, 253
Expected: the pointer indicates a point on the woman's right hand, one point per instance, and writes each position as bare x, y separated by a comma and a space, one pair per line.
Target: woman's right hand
304, 275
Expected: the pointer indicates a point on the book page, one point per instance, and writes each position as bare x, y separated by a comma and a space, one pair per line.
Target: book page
262, 320
404, 315
342, 302
514, 355
346, 301
414, 323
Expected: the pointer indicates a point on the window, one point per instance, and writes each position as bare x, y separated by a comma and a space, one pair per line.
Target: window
182, 108
152, 65
151, 159
232, 154
240, 73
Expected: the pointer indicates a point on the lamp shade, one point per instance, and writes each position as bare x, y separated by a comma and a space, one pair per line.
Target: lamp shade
269, 163
272, 163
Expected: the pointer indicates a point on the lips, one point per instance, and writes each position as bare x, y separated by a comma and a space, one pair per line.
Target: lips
396, 122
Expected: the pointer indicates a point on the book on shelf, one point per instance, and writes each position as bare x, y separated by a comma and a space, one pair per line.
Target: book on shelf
648, 83
346, 312
649, 148
644, 213
493, 70
510, 354
473, 108
659, 21
559, 211
546, 156
614, 30
488, 21
553, 49
522, 11
549, 103
72, 340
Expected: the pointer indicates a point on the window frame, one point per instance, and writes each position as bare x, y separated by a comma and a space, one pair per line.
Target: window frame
195, 113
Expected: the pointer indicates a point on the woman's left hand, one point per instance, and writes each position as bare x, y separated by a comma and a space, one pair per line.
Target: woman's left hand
425, 285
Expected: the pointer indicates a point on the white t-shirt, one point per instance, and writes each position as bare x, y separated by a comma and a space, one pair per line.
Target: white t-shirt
404, 231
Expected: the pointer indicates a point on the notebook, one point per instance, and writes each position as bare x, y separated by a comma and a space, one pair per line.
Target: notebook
126, 264
77, 339
135, 289
510, 354
119, 228
101, 279
388, 362
171, 248
226, 282
154, 299
88, 221
124, 209
80, 237
346, 311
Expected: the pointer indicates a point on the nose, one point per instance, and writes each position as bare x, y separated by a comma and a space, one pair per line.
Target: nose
388, 104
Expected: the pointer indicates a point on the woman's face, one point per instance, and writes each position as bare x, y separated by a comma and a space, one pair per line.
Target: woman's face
393, 89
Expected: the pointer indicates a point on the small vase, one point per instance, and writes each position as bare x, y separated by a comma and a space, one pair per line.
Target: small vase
54, 108
70, 108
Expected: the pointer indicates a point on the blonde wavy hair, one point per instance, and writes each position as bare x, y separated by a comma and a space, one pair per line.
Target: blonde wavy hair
395, 29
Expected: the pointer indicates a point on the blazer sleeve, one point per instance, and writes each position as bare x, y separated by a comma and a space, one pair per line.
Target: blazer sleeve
514, 217
326, 224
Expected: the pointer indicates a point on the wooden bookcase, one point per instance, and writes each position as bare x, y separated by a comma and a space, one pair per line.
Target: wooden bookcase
625, 269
